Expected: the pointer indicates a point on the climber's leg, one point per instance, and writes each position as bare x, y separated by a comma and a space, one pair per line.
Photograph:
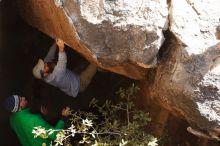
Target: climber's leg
86, 76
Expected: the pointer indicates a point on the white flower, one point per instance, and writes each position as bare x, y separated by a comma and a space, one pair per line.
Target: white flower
93, 133
59, 138
71, 127
95, 144
84, 140
50, 131
72, 130
153, 142
39, 131
87, 122
122, 143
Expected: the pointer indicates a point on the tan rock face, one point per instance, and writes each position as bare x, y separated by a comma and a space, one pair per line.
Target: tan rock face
124, 37
197, 70
115, 34
187, 81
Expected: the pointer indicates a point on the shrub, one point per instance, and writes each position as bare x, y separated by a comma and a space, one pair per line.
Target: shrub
115, 124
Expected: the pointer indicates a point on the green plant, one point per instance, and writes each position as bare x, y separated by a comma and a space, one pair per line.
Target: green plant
115, 124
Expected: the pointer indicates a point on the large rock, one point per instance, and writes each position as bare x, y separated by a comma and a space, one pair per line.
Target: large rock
120, 36
124, 37
187, 81
194, 23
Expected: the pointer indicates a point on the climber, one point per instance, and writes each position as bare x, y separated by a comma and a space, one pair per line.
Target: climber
23, 121
58, 75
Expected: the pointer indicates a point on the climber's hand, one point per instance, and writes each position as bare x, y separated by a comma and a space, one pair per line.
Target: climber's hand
60, 44
66, 112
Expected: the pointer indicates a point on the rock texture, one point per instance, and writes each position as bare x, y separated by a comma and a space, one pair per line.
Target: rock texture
125, 36
120, 36
194, 23
187, 80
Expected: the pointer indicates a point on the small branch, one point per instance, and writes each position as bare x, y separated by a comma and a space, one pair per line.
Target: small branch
101, 133
113, 133
127, 110
119, 108
66, 137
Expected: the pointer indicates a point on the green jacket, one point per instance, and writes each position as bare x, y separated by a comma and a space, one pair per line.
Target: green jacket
23, 122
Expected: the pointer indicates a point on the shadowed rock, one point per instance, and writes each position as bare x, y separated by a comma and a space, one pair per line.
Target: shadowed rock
124, 37
120, 36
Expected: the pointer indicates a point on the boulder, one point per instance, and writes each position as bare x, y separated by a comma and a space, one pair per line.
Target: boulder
187, 80
181, 73
119, 36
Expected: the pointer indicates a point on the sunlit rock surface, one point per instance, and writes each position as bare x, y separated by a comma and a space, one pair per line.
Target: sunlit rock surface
187, 80
124, 37
115, 34
194, 22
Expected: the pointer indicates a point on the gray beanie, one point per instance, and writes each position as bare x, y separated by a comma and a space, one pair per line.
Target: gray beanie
38, 68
